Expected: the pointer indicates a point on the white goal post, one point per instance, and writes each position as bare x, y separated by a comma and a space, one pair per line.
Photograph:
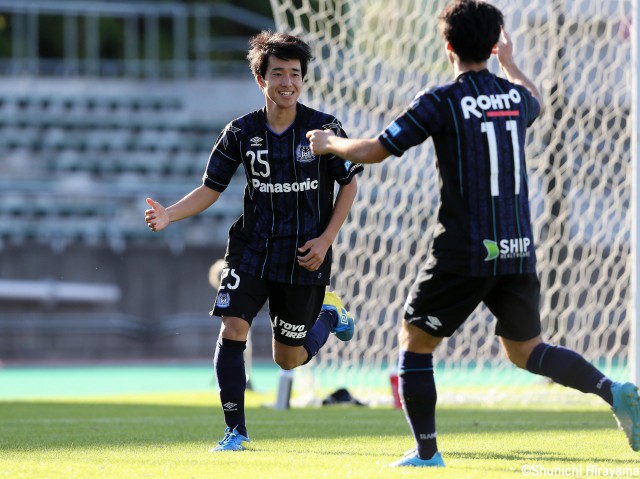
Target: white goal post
635, 159
371, 58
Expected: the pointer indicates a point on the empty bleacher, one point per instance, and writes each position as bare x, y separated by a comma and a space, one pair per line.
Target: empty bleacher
83, 145
78, 167
83, 141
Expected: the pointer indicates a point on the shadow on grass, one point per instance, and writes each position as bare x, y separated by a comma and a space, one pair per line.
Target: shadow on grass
537, 456
38, 425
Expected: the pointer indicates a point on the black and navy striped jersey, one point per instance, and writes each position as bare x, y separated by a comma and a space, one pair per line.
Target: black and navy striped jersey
289, 195
478, 124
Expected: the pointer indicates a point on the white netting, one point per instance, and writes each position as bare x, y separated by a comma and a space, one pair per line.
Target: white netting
372, 56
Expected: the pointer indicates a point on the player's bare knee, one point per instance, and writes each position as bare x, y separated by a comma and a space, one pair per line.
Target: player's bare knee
412, 338
286, 361
234, 328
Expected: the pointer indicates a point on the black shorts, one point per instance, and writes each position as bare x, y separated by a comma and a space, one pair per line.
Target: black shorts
293, 309
439, 302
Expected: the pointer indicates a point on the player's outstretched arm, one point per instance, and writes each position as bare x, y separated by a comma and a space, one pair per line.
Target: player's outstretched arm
158, 217
504, 52
314, 251
357, 150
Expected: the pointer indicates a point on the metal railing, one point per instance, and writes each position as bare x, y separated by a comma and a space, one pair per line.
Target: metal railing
117, 39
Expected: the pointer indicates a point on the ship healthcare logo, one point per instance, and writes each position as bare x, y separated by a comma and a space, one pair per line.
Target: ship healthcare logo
507, 248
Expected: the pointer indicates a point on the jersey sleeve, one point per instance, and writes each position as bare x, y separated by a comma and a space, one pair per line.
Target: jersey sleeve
531, 105
422, 119
224, 159
342, 171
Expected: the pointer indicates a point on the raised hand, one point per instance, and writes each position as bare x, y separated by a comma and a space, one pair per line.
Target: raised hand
318, 140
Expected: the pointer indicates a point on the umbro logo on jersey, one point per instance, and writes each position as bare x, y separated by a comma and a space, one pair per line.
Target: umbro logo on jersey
432, 322
256, 141
230, 406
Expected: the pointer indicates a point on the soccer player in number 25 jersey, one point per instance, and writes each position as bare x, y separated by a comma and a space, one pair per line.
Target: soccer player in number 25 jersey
483, 249
279, 250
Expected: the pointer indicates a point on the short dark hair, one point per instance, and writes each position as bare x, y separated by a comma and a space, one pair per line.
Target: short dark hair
281, 45
472, 27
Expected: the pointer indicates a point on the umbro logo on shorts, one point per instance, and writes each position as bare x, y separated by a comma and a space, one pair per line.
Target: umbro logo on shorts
432, 322
230, 406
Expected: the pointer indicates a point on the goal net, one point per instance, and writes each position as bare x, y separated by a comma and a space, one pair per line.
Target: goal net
371, 58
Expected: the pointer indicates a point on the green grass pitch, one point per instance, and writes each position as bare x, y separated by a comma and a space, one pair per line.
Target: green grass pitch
168, 435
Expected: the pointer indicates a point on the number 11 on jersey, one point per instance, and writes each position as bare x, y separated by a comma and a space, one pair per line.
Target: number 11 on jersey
488, 128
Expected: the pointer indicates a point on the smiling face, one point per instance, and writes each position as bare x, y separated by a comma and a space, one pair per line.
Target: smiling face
282, 83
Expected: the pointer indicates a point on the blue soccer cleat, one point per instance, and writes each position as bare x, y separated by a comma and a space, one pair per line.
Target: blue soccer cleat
232, 441
626, 410
345, 326
411, 459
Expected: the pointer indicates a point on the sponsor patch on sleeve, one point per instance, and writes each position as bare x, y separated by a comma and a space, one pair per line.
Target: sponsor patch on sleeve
394, 129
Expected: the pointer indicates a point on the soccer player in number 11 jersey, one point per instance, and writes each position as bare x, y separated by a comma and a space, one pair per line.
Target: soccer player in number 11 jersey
483, 250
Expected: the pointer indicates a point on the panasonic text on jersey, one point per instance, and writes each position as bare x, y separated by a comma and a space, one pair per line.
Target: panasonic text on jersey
307, 185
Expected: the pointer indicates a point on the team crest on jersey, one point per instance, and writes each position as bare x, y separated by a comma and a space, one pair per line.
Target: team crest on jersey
304, 154
223, 300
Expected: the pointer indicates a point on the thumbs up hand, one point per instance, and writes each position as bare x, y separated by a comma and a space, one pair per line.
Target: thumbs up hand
156, 217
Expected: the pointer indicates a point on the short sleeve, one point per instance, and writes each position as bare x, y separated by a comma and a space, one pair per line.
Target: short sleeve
341, 170
224, 159
531, 105
422, 119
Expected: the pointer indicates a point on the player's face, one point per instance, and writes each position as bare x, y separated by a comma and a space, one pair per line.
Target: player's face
282, 82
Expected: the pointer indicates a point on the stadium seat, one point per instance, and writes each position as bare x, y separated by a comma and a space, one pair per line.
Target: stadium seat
94, 149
